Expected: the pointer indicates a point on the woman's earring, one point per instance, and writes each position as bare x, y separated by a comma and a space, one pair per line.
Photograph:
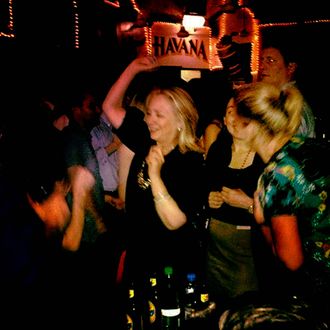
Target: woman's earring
179, 129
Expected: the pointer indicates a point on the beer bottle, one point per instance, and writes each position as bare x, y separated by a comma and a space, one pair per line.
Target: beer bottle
203, 301
190, 291
134, 319
154, 302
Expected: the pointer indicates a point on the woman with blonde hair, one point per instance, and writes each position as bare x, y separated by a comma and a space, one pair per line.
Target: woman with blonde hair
291, 202
164, 186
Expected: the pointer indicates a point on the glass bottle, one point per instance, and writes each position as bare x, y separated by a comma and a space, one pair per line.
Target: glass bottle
170, 306
203, 301
190, 291
134, 319
154, 303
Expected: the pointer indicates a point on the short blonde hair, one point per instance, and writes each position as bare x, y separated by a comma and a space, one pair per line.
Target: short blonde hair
186, 112
278, 111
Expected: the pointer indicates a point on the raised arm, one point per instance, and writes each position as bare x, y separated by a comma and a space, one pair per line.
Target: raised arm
82, 181
113, 103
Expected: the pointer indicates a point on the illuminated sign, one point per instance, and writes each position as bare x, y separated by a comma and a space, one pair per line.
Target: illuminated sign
193, 51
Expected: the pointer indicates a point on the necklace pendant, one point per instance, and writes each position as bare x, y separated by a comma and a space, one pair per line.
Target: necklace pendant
142, 182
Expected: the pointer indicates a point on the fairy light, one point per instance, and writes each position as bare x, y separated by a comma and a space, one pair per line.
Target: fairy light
255, 48
255, 44
211, 59
10, 25
149, 41
76, 24
147, 35
135, 6
215, 62
281, 24
255, 39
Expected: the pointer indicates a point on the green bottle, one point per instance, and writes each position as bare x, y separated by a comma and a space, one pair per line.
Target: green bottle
170, 306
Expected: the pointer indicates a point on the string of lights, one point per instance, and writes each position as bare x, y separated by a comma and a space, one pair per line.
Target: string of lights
281, 24
10, 31
75, 23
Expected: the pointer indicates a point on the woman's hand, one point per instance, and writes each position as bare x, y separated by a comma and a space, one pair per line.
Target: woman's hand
167, 208
215, 199
146, 63
116, 202
112, 105
236, 197
155, 161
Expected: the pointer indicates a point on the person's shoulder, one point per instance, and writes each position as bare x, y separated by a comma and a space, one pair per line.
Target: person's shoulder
134, 111
69, 130
189, 160
213, 129
215, 122
316, 147
258, 161
134, 117
193, 155
308, 145
310, 154
224, 139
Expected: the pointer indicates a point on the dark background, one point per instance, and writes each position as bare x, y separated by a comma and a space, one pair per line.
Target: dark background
42, 52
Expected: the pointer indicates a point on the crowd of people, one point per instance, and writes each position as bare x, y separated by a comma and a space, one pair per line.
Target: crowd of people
128, 185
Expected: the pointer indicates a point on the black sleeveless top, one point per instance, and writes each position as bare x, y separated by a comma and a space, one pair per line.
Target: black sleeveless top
219, 174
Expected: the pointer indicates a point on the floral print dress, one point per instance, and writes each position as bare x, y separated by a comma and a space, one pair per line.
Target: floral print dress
296, 181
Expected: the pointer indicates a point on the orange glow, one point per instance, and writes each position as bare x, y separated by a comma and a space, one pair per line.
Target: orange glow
243, 28
192, 21
10, 32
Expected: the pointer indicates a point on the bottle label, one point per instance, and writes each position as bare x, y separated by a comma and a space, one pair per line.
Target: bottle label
152, 312
190, 290
171, 312
153, 281
129, 322
204, 297
131, 293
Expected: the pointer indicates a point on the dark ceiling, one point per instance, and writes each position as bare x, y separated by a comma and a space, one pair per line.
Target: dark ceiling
265, 10
50, 23
45, 31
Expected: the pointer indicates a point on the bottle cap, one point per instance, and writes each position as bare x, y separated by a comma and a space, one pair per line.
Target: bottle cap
191, 277
168, 270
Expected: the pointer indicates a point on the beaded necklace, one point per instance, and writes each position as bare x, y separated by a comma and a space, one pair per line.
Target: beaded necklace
245, 159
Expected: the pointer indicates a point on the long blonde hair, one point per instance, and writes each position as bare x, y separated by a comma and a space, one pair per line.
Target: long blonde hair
187, 115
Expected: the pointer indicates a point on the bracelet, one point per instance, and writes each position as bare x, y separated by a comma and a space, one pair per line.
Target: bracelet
161, 197
250, 209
